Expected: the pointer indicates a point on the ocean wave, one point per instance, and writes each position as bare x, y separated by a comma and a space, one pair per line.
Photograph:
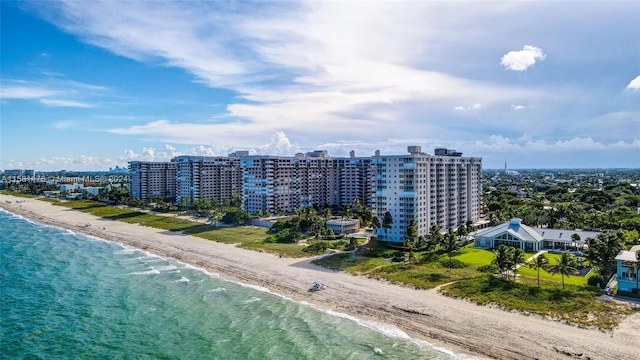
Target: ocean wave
182, 280
124, 252
167, 268
152, 271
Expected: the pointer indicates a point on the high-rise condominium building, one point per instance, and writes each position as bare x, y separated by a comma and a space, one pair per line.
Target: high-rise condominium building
279, 184
442, 189
208, 177
152, 179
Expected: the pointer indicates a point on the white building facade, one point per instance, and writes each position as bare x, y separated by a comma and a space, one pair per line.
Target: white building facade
147, 179
442, 189
215, 178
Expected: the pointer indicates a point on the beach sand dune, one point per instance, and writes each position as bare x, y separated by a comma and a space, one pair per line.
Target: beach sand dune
455, 324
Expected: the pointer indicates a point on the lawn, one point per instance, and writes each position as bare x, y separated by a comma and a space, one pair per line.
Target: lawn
574, 304
525, 270
231, 235
420, 274
474, 256
171, 223
286, 250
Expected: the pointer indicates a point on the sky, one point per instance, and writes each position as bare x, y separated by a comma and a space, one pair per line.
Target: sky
90, 85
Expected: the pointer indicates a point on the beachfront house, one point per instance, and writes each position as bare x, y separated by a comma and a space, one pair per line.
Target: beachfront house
516, 234
340, 226
627, 270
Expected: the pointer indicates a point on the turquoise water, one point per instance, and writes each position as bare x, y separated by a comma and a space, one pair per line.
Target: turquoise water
68, 296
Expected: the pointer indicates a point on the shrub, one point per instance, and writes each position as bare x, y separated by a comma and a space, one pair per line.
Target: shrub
353, 243
596, 279
397, 256
491, 269
316, 248
429, 257
453, 264
333, 237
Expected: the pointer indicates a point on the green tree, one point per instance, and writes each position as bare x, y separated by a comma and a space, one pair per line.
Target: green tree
517, 258
503, 259
411, 245
603, 249
435, 235
387, 221
326, 215
412, 230
462, 231
470, 227
565, 267
539, 262
575, 239
451, 243
375, 222
348, 212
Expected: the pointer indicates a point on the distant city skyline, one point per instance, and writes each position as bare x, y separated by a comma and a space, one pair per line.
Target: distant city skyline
94, 85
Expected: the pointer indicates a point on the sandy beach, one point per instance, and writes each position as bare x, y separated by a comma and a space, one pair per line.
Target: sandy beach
454, 324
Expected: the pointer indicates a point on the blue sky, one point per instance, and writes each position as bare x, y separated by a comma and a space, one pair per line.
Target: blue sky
89, 85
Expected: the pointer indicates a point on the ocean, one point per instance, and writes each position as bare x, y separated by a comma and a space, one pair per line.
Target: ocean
64, 295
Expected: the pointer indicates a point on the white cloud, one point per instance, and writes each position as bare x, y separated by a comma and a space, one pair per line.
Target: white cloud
336, 73
634, 84
72, 163
65, 103
523, 59
279, 145
331, 63
150, 154
527, 145
471, 107
49, 91
25, 92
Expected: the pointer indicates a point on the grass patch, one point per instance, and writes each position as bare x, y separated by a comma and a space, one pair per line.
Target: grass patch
286, 250
421, 275
19, 194
474, 257
230, 235
526, 271
233, 235
574, 304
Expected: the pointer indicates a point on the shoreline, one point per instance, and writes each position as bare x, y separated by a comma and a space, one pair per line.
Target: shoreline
457, 325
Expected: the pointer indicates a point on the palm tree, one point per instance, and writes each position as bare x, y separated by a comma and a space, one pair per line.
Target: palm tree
566, 266
412, 230
450, 244
517, 258
436, 236
540, 262
470, 227
503, 259
348, 212
411, 245
387, 221
575, 238
376, 223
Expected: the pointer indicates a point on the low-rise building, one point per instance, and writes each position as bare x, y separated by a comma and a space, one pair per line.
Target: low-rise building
515, 233
627, 270
344, 226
